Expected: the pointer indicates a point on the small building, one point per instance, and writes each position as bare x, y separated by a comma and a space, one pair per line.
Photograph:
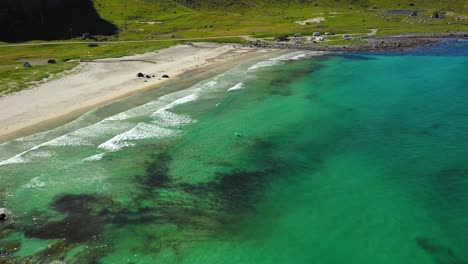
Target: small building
298, 35
316, 34
319, 39
329, 33
346, 36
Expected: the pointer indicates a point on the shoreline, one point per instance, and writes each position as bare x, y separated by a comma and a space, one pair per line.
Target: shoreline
104, 81
118, 77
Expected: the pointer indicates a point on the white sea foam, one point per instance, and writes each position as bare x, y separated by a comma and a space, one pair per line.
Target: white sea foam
263, 64
211, 83
140, 131
35, 183
118, 117
84, 136
189, 98
290, 56
238, 86
300, 55
67, 140
41, 154
165, 118
18, 159
78, 137
96, 157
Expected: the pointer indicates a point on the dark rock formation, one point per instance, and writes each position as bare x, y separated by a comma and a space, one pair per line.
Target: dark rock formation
165, 76
87, 35
51, 61
140, 75
438, 15
24, 20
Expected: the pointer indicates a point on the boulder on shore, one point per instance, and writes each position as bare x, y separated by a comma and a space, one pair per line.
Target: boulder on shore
140, 75
165, 76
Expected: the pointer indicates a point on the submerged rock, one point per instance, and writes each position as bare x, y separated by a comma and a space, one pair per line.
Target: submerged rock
3, 214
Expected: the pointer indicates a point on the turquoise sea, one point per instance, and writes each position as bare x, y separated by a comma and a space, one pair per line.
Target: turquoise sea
299, 158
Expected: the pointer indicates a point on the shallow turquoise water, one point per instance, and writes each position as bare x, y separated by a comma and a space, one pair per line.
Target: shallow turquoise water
351, 158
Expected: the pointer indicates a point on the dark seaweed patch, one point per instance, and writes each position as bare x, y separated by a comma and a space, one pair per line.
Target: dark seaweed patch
313, 96
440, 254
80, 224
156, 174
201, 211
239, 189
281, 83
451, 181
203, 207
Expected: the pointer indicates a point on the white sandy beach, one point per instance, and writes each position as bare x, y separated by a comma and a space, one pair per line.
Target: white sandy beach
102, 81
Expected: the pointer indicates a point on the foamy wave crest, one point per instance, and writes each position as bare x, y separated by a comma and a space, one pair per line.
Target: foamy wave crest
263, 64
80, 137
299, 55
159, 128
97, 157
18, 159
34, 183
67, 140
236, 87
183, 100
140, 131
211, 83
42, 154
118, 117
165, 118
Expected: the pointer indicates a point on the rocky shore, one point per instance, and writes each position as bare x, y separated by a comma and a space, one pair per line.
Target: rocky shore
387, 43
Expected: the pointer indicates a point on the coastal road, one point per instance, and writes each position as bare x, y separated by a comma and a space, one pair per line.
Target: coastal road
246, 37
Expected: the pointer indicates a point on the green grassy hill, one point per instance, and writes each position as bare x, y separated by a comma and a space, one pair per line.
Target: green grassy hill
153, 19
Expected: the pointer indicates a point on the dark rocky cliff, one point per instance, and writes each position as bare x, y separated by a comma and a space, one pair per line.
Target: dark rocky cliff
23, 20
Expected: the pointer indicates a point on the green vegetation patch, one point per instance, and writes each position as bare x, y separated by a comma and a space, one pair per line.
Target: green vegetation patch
15, 77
